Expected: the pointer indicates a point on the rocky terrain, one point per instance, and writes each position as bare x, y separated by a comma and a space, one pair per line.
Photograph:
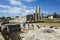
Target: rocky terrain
35, 32
43, 34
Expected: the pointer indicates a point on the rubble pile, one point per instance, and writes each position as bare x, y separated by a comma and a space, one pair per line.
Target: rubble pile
43, 34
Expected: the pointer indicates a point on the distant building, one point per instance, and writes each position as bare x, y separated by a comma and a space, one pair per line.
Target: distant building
50, 16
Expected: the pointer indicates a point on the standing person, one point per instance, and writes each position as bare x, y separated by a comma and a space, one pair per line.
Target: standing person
24, 25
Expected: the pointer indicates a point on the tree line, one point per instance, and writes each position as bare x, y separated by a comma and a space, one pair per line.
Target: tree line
55, 15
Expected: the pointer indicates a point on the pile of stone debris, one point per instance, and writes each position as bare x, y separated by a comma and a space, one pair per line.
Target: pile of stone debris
43, 34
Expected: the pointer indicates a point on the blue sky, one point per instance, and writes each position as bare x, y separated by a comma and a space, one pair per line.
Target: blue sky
24, 7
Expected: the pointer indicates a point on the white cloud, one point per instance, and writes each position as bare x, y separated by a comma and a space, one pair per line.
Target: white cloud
3, 6
17, 10
30, 11
25, 12
14, 10
15, 2
29, 0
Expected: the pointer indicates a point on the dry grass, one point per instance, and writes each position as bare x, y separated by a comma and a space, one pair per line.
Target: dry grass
48, 24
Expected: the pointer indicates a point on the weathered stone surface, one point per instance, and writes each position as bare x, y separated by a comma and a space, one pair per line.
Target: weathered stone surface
1, 37
43, 34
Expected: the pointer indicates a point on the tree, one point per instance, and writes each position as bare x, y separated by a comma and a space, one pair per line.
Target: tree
3, 18
8, 18
55, 15
17, 17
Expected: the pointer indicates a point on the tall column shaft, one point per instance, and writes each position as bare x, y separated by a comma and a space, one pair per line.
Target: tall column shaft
37, 15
